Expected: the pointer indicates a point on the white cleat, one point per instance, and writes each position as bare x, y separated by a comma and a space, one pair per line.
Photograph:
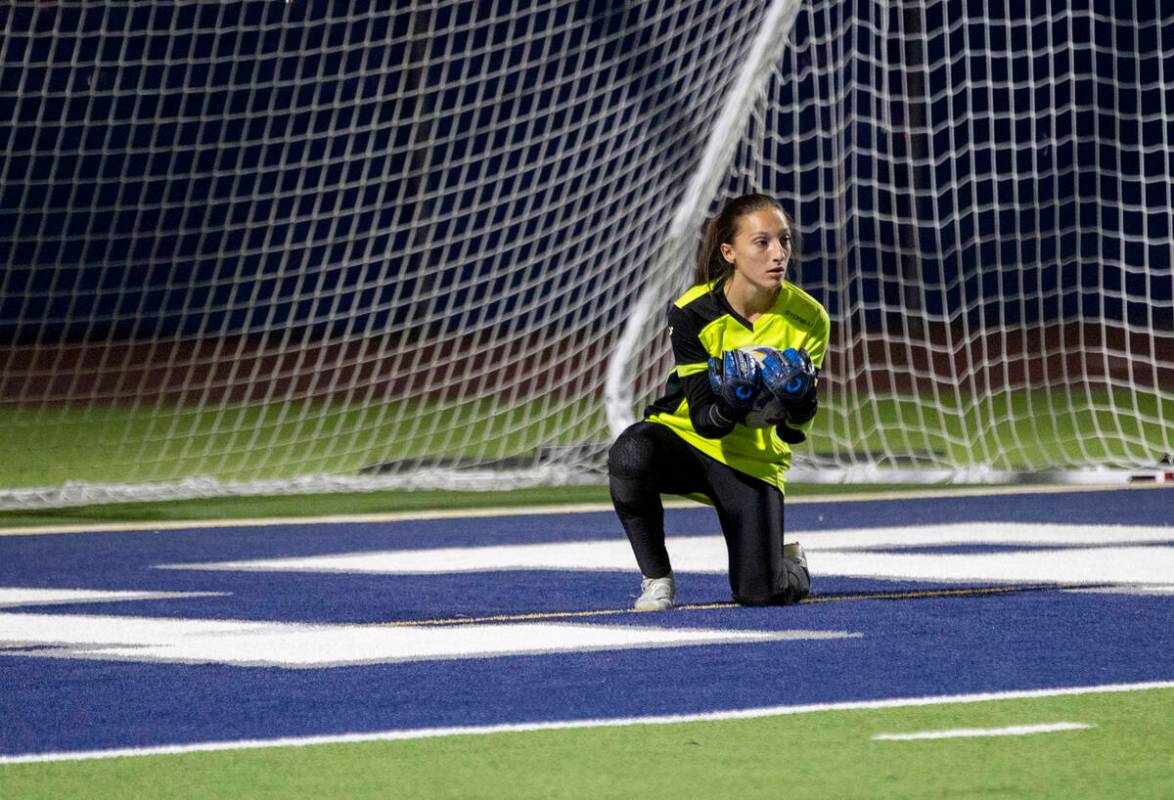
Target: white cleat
656, 594
793, 552
798, 581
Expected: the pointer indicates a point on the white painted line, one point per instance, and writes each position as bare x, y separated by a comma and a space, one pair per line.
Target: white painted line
1117, 565
522, 511
1046, 553
13, 596
1127, 588
690, 554
974, 733
712, 716
330, 519
245, 643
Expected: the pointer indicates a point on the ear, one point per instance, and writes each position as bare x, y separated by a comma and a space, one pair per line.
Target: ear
727, 253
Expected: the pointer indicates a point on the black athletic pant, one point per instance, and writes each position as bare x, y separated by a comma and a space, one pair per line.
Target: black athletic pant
648, 460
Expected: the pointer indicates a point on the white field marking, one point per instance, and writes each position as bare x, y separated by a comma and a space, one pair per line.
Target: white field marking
20, 596
673, 719
691, 554
336, 519
1137, 590
522, 511
973, 733
299, 645
1088, 555
987, 533
1112, 565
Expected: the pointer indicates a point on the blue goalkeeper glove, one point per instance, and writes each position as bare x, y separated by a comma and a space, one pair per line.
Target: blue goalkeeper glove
735, 380
791, 377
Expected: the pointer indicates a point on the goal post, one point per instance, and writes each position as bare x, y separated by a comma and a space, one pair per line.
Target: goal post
643, 324
291, 247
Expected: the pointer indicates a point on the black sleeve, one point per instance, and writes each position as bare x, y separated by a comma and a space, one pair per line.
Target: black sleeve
789, 434
799, 413
711, 417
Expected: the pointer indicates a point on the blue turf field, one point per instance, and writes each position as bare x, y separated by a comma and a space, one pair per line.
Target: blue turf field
1030, 638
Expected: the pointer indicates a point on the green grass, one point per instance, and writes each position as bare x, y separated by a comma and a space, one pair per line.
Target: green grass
358, 503
302, 506
1010, 431
827, 754
111, 444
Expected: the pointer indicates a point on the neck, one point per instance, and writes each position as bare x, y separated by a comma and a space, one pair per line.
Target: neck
747, 299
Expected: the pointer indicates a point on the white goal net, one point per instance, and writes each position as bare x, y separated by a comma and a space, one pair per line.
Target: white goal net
987, 195
285, 247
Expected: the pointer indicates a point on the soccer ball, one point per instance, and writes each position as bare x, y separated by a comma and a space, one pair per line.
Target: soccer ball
767, 411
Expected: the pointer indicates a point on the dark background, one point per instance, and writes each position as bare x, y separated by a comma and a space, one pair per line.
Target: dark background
206, 169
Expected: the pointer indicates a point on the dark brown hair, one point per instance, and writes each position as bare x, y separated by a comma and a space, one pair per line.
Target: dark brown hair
720, 229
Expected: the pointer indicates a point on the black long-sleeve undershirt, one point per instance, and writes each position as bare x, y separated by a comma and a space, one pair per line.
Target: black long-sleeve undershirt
710, 416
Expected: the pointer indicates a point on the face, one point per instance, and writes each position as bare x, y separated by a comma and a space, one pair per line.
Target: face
761, 248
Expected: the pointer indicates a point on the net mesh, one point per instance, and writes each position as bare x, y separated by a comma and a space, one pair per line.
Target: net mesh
311, 245
289, 247
985, 202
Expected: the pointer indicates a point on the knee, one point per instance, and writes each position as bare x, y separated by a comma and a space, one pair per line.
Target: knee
794, 585
786, 597
632, 454
745, 599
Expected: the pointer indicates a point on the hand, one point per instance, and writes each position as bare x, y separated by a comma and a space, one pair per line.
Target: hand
789, 374
735, 379
792, 378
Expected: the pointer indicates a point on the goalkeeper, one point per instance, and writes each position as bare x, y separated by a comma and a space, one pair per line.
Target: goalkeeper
693, 440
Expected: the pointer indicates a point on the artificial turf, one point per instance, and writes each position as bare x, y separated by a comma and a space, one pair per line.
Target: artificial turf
1124, 752
111, 444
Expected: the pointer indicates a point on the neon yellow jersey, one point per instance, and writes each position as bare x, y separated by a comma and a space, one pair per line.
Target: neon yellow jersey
701, 325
